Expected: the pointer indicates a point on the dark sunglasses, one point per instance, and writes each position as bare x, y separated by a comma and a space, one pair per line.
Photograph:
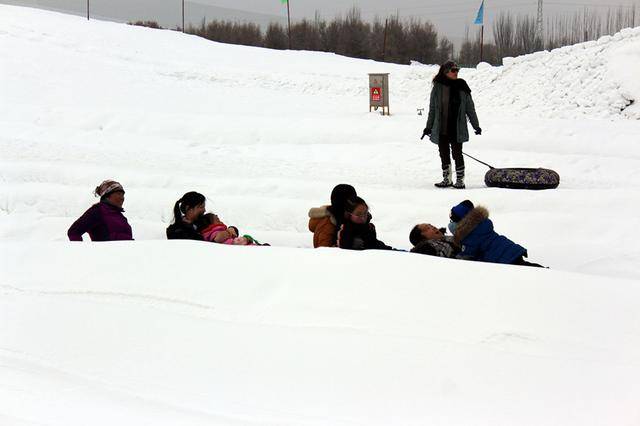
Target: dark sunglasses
454, 70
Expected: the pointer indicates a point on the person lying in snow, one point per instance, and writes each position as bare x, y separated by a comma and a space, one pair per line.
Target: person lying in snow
357, 232
427, 239
473, 232
214, 230
325, 221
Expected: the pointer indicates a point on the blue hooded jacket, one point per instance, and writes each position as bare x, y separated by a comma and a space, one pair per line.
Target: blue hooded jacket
475, 234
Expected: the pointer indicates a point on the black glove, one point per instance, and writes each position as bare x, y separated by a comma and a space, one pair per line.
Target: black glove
425, 132
478, 131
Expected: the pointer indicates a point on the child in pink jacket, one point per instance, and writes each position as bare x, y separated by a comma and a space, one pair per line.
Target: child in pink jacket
212, 229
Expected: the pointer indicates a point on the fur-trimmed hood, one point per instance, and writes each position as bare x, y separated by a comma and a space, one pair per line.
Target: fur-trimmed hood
469, 223
321, 212
458, 83
321, 217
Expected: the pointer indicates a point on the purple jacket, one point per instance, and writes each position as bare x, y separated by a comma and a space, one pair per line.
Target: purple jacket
103, 222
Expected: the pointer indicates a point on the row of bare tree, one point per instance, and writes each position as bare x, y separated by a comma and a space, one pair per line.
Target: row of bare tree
393, 40
402, 41
516, 35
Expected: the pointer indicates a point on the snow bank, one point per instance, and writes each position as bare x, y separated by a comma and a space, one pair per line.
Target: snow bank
593, 79
137, 332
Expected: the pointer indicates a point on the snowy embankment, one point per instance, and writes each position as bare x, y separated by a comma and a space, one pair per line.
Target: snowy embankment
169, 333
596, 79
105, 334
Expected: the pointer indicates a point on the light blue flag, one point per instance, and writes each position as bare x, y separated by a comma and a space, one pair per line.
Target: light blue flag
480, 17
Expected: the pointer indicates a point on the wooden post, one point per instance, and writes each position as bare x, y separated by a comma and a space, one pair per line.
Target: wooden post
481, 40
289, 23
384, 41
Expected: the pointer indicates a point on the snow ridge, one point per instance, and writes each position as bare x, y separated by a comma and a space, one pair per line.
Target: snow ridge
584, 80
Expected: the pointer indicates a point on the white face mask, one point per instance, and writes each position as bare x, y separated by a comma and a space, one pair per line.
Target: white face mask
452, 227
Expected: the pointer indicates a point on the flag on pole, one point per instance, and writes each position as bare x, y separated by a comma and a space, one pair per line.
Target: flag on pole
479, 18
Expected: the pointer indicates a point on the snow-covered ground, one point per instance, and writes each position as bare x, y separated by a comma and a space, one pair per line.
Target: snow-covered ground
168, 333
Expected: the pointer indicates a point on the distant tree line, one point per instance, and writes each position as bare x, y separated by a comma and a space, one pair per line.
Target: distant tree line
402, 41
150, 24
516, 35
406, 41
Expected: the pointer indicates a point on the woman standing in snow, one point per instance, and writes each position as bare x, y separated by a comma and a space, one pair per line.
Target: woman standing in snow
450, 104
186, 211
103, 221
325, 221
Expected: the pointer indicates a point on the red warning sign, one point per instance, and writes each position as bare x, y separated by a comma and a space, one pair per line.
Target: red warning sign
376, 94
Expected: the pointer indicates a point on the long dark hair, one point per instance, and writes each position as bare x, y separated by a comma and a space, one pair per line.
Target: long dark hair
339, 196
444, 69
415, 236
188, 200
354, 202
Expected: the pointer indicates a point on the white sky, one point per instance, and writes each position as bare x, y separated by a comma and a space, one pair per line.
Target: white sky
450, 17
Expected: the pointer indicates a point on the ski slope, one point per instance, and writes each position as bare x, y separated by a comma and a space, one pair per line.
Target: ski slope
176, 332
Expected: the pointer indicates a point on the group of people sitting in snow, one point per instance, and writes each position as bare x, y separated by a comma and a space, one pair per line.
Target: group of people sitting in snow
345, 223
104, 220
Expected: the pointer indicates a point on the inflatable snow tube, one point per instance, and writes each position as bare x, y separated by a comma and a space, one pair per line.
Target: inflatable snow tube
521, 178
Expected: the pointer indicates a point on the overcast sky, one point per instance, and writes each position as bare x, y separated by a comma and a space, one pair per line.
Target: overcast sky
450, 17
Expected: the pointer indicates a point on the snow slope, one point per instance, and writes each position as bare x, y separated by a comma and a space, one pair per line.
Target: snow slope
267, 134
587, 80
166, 333
107, 335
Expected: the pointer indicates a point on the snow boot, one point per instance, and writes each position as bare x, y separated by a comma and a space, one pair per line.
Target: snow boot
446, 178
459, 178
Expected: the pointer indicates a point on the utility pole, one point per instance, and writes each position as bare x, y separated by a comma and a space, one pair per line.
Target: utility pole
289, 23
480, 21
384, 40
539, 35
87, 10
481, 41
182, 15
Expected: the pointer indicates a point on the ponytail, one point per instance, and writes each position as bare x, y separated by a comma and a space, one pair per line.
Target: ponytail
188, 200
177, 215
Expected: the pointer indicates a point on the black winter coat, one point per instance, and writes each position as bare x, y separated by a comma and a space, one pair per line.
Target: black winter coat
359, 237
183, 231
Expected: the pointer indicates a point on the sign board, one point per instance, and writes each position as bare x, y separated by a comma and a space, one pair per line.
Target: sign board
379, 92
376, 94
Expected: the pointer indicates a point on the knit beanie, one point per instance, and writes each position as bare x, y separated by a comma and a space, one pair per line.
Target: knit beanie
461, 210
107, 187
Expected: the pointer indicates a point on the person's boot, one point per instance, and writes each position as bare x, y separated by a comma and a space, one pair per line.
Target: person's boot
446, 178
459, 178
